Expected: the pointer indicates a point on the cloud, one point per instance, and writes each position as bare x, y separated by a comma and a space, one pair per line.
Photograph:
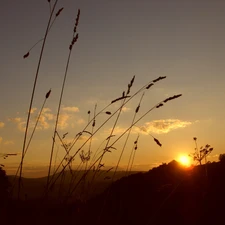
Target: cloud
20, 123
49, 116
43, 123
80, 121
126, 109
163, 126
63, 121
117, 130
85, 138
33, 110
2, 124
47, 119
10, 142
46, 110
1, 140
16, 119
71, 109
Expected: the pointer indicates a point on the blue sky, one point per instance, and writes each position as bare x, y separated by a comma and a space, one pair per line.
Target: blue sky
183, 40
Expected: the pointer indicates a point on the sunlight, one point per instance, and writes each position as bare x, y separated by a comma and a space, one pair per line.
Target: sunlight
184, 160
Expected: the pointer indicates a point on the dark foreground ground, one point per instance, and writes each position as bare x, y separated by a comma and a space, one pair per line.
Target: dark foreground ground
168, 194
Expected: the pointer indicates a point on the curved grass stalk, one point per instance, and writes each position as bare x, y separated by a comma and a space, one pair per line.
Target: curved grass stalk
107, 143
74, 177
132, 156
31, 137
135, 122
121, 154
128, 135
130, 160
146, 86
42, 39
74, 39
32, 95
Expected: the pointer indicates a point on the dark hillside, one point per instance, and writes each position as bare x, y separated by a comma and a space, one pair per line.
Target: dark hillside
168, 194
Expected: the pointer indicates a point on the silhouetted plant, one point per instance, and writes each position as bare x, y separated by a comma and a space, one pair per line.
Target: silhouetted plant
85, 157
74, 40
201, 153
49, 25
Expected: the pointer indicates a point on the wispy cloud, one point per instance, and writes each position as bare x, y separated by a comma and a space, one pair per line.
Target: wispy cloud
63, 121
126, 109
43, 123
19, 121
33, 110
47, 119
71, 109
80, 121
10, 142
163, 126
117, 130
2, 124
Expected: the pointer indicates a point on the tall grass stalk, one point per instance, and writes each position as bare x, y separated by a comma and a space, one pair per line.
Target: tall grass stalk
32, 95
146, 86
31, 137
134, 153
74, 39
129, 165
121, 154
128, 135
160, 104
108, 140
93, 120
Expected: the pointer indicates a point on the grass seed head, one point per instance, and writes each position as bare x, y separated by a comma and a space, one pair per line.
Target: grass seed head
158, 79
137, 109
171, 98
157, 142
59, 11
48, 94
159, 105
120, 98
26, 55
151, 84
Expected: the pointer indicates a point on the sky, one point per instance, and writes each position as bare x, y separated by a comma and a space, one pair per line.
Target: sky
182, 40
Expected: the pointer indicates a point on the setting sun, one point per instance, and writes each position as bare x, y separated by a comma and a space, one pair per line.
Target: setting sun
184, 160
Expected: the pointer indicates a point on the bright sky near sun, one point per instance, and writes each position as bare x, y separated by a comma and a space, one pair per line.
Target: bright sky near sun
183, 40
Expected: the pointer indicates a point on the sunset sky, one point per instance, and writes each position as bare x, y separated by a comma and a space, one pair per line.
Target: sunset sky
182, 40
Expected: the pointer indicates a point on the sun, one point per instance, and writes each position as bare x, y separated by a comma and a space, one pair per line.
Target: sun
184, 160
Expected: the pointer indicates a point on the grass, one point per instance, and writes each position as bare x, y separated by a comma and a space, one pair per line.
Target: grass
33, 92
85, 178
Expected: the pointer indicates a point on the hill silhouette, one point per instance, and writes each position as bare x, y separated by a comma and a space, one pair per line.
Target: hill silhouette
168, 194
33, 188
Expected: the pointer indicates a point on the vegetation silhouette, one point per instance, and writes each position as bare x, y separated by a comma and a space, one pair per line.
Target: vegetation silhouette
4, 186
167, 194
4, 194
222, 158
202, 153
